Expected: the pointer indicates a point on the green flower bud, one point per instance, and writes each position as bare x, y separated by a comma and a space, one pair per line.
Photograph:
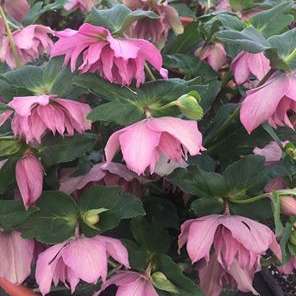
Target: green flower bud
161, 282
189, 106
92, 217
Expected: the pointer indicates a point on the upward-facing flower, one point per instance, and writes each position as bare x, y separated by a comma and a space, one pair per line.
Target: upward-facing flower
36, 115
78, 259
130, 284
246, 63
143, 143
17, 9
231, 247
83, 5
213, 54
118, 60
29, 42
155, 30
271, 102
29, 177
16, 255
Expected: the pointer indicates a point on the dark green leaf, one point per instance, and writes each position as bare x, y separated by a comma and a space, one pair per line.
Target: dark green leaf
207, 206
10, 146
60, 149
118, 18
7, 174
55, 221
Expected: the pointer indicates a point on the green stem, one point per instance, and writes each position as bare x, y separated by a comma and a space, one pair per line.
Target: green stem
10, 38
291, 56
149, 72
252, 199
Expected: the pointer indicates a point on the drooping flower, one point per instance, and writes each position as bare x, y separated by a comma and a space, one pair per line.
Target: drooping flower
231, 247
78, 259
16, 255
34, 116
245, 64
130, 283
118, 60
155, 30
83, 5
143, 143
272, 152
29, 42
108, 174
271, 102
289, 267
29, 177
17, 9
213, 54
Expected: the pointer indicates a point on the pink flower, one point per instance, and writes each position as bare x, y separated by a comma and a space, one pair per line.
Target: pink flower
29, 177
17, 9
108, 174
35, 115
237, 244
118, 60
271, 152
130, 283
155, 30
289, 267
214, 55
288, 205
143, 143
270, 102
223, 5
30, 42
246, 63
276, 183
78, 259
16, 255
83, 5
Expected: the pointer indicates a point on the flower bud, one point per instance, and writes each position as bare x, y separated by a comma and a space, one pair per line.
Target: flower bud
189, 106
161, 282
92, 217
288, 205
290, 149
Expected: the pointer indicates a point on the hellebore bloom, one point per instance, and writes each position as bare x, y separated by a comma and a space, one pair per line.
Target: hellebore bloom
17, 9
35, 115
289, 267
118, 60
16, 255
83, 5
245, 64
29, 177
130, 283
143, 143
214, 55
237, 244
288, 205
271, 102
30, 42
272, 152
78, 259
108, 174
155, 30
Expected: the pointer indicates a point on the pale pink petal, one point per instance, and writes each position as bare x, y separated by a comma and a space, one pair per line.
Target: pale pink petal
271, 152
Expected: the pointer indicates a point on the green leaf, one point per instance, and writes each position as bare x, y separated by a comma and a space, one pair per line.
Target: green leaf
283, 53
56, 150
118, 18
207, 206
117, 204
10, 146
276, 208
246, 174
173, 272
241, 4
150, 235
249, 39
200, 183
190, 66
273, 21
7, 174
161, 282
122, 113
13, 214
55, 220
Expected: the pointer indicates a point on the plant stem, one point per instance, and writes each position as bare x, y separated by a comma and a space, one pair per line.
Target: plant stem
149, 72
251, 200
10, 38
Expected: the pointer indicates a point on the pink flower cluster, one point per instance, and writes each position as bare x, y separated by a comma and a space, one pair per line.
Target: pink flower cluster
118, 60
